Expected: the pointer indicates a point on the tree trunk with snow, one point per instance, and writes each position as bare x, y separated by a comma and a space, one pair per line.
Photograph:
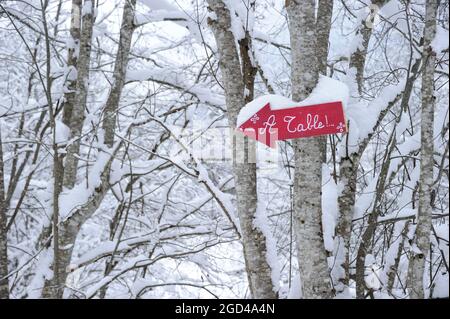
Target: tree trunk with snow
348, 169
76, 119
120, 69
363, 34
367, 236
68, 229
323, 27
66, 174
308, 157
4, 287
421, 241
348, 165
71, 77
366, 244
393, 270
244, 169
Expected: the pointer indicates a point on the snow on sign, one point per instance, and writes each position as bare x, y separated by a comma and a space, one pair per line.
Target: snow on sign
268, 125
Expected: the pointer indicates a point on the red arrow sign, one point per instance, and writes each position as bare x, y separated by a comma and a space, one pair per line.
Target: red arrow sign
267, 125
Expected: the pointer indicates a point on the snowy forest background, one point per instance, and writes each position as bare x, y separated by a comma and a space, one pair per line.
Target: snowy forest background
103, 194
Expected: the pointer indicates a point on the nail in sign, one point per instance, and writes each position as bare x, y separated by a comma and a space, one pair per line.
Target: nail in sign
268, 126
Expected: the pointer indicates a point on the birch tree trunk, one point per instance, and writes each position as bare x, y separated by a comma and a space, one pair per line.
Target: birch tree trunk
323, 27
68, 229
393, 271
52, 285
421, 241
76, 119
244, 169
71, 80
366, 239
348, 168
312, 256
65, 174
120, 69
4, 287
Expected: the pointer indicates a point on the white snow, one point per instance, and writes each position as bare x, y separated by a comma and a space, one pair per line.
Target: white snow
42, 272
440, 41
223, 197
261, 222
241, 18
212, 15
441, 287
131, 263
107, 247
295, 292
365, 201
394, 12
276, 101
62, 132
363, 117
391, 253
87, 8
159, 5
373, 270
402, 125
161, 10
327, 90
355, 44
412, 143
71, 73
161, 15
176, 79
71, 199
329, 207
265, 37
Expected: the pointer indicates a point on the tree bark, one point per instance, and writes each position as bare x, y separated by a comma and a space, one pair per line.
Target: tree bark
4, 286
308, 152
358, 58
65, 174
366, 239
71, 80
120, 68
76, 119
367, 236
393, 271
348, 169
421, 241
323, 27
68, 229
244, 169
112, 104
